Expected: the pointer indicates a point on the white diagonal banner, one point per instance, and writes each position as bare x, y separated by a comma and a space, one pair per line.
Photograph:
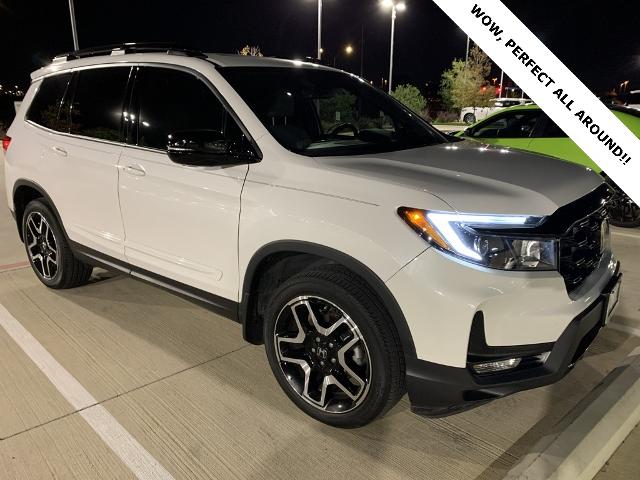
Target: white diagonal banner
552, 86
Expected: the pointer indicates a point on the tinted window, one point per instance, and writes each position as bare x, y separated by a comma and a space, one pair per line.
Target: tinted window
552, 130
97, 103
317, 112
508, 125
45, 107
172, 101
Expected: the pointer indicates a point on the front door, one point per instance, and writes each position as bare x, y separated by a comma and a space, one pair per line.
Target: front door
181, 222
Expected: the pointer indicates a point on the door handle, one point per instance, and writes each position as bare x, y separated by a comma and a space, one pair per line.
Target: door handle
135, 170
60, 151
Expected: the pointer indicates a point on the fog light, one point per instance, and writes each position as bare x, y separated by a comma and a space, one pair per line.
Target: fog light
497, 366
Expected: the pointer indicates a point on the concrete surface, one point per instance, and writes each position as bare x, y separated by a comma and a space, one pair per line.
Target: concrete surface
580, 445
180, 380
624, 464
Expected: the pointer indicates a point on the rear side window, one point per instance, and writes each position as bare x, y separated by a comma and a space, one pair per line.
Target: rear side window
45, 107
552, 130
96, 110
172, 101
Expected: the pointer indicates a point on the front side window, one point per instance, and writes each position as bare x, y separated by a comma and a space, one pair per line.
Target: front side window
507, 125
45, 107
172, 101
96, 109
317, 112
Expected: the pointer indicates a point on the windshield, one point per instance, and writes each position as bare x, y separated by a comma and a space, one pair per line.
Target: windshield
328, 113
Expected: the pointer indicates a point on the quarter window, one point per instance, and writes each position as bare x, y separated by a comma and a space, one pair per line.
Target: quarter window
45, 108
172, 101
97, 104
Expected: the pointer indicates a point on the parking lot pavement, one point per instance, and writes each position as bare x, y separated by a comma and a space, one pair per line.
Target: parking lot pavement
624, 463
203, 404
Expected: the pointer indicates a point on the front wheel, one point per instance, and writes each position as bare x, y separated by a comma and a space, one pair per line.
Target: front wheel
469, 118
623, 212
332, 347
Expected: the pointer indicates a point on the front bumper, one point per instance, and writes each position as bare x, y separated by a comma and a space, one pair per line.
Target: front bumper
439, 390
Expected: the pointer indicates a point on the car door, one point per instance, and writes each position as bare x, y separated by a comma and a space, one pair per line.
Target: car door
509, 129
551, 140
85, 159
181, 221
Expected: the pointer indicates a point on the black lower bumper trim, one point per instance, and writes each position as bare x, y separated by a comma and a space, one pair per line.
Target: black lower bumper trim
439, 390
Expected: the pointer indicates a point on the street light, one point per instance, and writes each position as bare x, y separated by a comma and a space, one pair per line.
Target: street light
348, 50
395, 6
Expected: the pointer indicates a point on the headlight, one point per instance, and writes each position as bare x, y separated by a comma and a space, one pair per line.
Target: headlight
477, 238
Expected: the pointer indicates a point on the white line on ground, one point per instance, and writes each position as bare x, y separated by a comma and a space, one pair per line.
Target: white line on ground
127, 448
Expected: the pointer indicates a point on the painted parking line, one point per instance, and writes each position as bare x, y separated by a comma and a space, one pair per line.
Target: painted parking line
115, 436
13, 266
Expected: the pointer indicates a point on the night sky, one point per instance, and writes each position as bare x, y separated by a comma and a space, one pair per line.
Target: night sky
599, 41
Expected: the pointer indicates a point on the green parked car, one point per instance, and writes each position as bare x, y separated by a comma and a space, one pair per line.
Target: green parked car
528, 128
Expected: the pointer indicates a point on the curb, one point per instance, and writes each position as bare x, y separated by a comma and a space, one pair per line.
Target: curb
589, 435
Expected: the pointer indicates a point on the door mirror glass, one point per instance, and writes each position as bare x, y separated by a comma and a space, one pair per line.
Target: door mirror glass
206, 148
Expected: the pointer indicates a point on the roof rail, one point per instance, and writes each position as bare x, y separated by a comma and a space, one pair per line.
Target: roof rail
127, 48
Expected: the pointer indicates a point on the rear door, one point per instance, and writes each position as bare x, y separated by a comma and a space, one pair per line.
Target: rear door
181, 221
551, 140
84, 160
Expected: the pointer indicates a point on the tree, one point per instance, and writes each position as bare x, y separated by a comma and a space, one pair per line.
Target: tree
250, 51
411, 97
466, 84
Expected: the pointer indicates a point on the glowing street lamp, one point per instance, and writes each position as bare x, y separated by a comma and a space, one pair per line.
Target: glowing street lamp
395, 6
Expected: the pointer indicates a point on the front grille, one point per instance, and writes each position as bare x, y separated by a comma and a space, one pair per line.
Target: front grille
581, 249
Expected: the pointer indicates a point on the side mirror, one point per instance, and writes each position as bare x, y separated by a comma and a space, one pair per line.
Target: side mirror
207, 148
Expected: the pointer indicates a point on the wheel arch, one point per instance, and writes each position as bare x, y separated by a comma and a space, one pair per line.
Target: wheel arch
24, 191
261, 259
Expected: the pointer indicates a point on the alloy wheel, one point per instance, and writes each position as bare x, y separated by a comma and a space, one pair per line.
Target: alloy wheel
42, 246
322, 354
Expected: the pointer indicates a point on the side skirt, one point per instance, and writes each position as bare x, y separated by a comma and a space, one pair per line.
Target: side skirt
220, 305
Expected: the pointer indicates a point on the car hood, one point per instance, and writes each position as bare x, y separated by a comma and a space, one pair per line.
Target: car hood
476, 178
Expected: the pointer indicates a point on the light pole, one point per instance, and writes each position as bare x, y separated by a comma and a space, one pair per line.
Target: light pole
468, 46
395, 8
74, 30
319, 29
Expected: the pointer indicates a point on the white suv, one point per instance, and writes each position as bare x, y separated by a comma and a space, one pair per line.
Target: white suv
370, 254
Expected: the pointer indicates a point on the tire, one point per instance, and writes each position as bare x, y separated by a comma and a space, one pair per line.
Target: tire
623, 212
366, 359
469, 118
48, 250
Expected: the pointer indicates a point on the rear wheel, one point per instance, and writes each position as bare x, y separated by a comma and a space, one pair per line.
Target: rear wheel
469, 118
48, 251
332, 347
